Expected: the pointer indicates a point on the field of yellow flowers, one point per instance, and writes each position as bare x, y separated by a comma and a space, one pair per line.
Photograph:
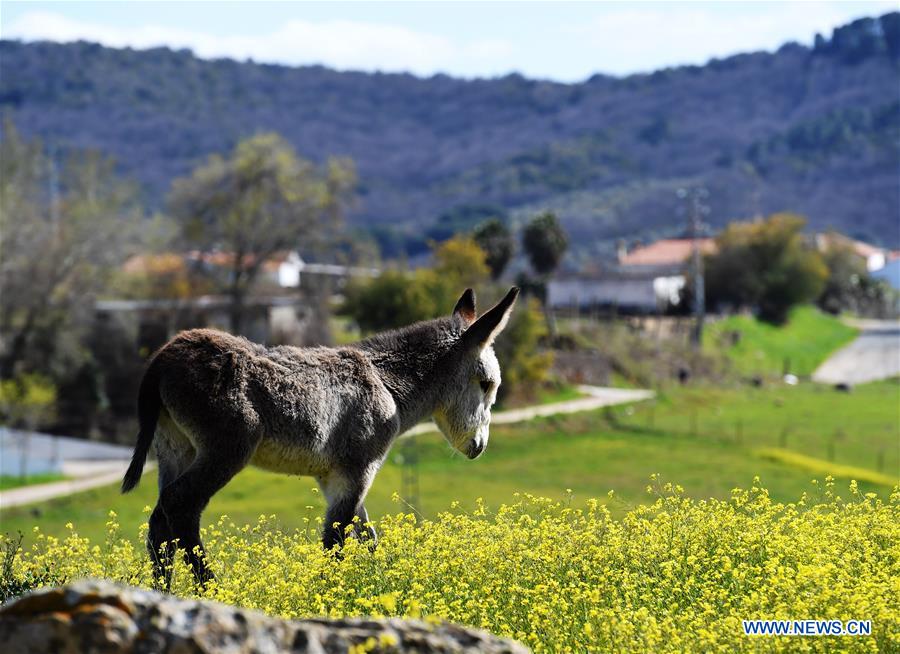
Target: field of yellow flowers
676, 575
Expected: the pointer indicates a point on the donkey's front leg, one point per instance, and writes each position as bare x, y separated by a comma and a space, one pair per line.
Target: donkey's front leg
365, 531
345, 502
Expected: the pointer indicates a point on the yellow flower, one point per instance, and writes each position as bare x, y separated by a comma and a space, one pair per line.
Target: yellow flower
677, 575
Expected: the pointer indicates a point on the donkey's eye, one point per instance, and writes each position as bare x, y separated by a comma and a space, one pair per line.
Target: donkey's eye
485, 386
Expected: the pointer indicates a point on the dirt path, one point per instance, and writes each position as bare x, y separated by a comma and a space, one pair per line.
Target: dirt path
875, 354
40, 492
112, 472
598, 397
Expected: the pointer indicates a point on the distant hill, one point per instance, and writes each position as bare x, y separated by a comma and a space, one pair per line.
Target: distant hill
815, 130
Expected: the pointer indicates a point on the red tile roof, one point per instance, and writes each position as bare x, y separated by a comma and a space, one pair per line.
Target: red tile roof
862, 249
666, 252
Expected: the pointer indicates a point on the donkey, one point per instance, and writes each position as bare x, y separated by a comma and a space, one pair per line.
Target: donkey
214, 403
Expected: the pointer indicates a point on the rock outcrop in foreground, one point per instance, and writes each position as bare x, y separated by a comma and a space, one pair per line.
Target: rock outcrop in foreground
105, 618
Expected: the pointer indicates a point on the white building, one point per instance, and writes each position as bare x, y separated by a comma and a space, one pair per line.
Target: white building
646, 280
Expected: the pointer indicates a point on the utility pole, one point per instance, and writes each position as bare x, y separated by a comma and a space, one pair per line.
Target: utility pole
697, 208
53, 182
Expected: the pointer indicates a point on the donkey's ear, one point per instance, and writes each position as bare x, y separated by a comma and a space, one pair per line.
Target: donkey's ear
464, 311
485, 330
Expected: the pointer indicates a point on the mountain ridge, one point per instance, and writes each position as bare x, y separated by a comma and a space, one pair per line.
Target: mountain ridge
813, 130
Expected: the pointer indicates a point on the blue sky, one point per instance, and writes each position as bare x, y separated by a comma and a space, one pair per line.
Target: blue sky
565, 41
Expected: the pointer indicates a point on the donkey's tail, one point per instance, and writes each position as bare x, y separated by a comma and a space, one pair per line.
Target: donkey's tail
149, 404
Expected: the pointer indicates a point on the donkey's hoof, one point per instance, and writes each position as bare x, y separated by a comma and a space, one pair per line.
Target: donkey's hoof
203, 576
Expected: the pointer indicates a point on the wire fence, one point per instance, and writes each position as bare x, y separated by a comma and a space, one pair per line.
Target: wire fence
872, 448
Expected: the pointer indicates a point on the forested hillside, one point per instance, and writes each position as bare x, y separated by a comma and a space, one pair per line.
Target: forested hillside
814, 130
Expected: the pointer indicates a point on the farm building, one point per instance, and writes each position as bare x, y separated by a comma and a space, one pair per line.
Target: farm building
648, 279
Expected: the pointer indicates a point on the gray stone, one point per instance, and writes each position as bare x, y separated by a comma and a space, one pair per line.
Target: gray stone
100, 617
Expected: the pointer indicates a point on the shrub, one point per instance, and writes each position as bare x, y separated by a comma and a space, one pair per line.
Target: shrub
524, 366
396, 299
461, 260
677, 575
766, 266
27, 400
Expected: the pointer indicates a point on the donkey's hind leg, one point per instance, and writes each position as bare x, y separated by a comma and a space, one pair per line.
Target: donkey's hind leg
184, 499
174, 454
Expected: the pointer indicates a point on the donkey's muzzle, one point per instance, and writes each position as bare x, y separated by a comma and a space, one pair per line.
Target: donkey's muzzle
476, 447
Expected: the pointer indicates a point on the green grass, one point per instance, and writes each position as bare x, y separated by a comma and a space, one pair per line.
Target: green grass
860, 428
343, 331
13, 481
558, 393
589, 453
548, 393
808, 338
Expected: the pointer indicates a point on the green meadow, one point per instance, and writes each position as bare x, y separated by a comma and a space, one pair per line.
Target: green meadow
708, 439
805, 341
578, 456
9, 481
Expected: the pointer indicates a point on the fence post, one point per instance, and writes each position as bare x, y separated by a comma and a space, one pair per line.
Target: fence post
409, 480
782, 437
881, 460
24, 439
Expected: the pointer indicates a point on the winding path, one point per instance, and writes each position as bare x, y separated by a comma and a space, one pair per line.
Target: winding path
597, 397
873, 355
111, 471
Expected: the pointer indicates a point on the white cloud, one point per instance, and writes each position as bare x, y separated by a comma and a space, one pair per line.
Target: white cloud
644, 38
340, 44
541, 39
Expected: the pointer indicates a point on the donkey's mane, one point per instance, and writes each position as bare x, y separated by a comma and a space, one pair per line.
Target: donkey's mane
409, 356
421, 337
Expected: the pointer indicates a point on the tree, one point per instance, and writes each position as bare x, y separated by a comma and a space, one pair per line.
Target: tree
26, 400
494, 237
64, 232
545, 243
462, 219
890, 27
261, 200
395, 299
767, 266
845, 271
461, 262
859, 40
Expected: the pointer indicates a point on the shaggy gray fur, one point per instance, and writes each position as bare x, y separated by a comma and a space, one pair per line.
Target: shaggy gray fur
214, 403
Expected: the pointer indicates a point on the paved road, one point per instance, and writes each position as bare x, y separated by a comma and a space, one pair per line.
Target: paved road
110, 471
875, 354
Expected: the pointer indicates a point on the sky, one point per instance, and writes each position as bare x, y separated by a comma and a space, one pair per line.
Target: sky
563, 41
